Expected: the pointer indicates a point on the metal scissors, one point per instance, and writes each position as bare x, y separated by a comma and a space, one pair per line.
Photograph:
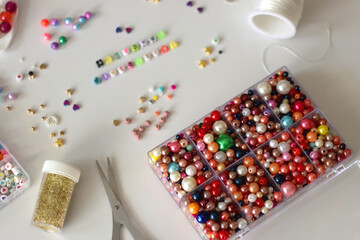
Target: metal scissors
120, 217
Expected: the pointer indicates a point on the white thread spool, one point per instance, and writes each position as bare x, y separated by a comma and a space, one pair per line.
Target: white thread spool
276, 18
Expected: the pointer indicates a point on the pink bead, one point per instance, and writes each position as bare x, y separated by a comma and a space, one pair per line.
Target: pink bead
288, 188
201, 146
157, 127
147, 123
127, 120
166, 114
173, 87
297, 159
141, 128
134, 131
162, 120
12, 96
183, 175
286, 156
314, 155
88, 15
272, 104
174, 147
307, 124
293, 145
47, 36
138, 136
199, 165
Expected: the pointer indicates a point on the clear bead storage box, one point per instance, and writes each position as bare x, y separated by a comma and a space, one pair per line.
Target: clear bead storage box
13, 178
251, 158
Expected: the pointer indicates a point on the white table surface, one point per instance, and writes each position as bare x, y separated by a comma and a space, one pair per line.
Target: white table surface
332, 213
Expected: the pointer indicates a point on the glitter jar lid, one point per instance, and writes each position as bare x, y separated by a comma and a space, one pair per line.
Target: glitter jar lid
67, 170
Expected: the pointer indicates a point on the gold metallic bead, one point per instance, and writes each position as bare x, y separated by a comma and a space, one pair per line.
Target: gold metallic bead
62, 133
142, 99
42, 106
33, 129
30, 111
8, 108
52, 135
202, 63
43, 66
59, 142
141, 110
208, 50
69, 92
32, 76
43, 118
116, 123
212, 60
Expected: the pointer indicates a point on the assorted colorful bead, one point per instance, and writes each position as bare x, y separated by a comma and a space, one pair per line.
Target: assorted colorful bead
217, 141
134, 47
7, 16
317, 138
252, 118
285, 98
215, 212
251, 187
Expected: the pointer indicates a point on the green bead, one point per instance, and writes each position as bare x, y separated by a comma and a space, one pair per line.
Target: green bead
225, 142
135, 48
138, 61
117, 55
161, 34
62, 40
189, 148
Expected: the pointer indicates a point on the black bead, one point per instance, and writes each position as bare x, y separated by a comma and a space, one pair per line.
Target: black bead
251, 92
197, 196
205, 168
342, 146
257, 103
31, 73
214, 215
274, 92
233, 169
291, 82
200, 124
230, 131
238, 181
276, 75
285, 74
178, 137
237, 116
289, 79
279, 178
239, 153
99, 63
241, 203
220, 52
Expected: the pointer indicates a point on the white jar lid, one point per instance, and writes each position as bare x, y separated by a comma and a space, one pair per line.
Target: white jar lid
67, 170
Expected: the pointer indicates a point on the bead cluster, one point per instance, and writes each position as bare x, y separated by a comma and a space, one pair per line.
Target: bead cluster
135, 63
252, 119
191, 4
251, 187
218, 215
217, 142
286, 98
132, 49
181, 166
318, 139
7, 16
208, 50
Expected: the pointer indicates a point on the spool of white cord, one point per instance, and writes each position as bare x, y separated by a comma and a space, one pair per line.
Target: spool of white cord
276, 18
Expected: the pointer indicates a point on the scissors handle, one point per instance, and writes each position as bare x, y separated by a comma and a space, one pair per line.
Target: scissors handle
136, 234
116, 230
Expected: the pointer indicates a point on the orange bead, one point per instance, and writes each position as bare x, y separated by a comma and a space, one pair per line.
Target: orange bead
248, 161
297, 116
230, 118
253, 187
297, 96
251, 117
169, 96
157, 113
311, 177
311, 136
194, 208
213, 147
264, 119
232, 188
220, 167
261, 139
238, 195
285, 136
284, 169
268, 135
274, 168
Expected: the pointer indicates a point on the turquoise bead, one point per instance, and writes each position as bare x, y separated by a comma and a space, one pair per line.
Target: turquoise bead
173, 166
225, 142
286, 121
189, 148
97, 80
312, 145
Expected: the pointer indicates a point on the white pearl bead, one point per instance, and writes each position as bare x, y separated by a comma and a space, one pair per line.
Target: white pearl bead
264, 210
273, 143
329, 145
276, 111
319, 143
220, 156
266, 164
227, 200
241, 170
208, 138
248, 134
221, 206
284, 147
242, 223
181, 193
175, 176
284, 108
263, 88
261, 128
269, 204
256, 118
152, 89
157, 152
270, 160
283, 87
191, 170
246, 112
252, 197
189, 184
220, 127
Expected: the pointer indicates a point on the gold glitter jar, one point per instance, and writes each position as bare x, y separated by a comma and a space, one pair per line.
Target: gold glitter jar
57, 186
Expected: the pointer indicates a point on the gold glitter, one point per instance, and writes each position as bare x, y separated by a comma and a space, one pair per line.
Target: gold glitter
208, 50
42, 106
52, 205
43, 118
69, 92
52, 135
116, 123
61, 133
212, 60
8, 108
33, 129
202, 63
31, 111
142, 99
43, 66
59, 142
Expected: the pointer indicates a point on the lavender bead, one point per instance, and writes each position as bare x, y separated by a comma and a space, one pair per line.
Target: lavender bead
54, 22
55, 45
267, 112
105, 76
12, 96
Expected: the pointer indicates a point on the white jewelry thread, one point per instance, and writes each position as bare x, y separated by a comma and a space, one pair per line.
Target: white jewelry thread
276, 18
292, 52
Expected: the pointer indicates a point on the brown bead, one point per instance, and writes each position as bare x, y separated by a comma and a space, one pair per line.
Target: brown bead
164, 150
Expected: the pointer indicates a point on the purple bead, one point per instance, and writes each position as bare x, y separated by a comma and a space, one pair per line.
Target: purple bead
88, 15
241, 106
12, 96
105, 76
5, 27
10, 7
267, 112
54, 22
55, 45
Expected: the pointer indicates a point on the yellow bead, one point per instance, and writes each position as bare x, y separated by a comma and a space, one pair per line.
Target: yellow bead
43, 66
33, 129
154, 158
42, 106
108, 59
142, 99
141, 110
208, 50
43, 118
116, 123
173, 45
30, 111
155, 98
221, 167
323, 129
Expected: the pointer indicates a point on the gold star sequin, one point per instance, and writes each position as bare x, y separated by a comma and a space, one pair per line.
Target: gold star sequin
43, 118
69, 92
52, 135
62, 133
212, 60
59, 142
202, 63
208, 50
141, 110
116, 123
31, 111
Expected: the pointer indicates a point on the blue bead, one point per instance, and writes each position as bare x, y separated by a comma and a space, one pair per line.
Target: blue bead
76, 26
118, 29
82, 20
197, 196
160, 89
202, 217
286, 121
1, 90
173, 166
214, 215
68, 20
97, 80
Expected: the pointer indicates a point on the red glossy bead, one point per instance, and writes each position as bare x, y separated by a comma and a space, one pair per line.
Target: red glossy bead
223, 234
164, 49
307, 124
300, 179
304, 145
215, 115
216, 192
299, 106
200, 132
5, 16
259, 202
300, 167
208, 120
263, 181
206, 126
200, 179
215, 184
296, 151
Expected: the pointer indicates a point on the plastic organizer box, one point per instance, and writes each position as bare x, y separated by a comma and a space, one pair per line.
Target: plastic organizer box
13, 178
251, 158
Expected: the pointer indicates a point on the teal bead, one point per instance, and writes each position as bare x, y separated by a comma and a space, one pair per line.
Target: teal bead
138, 61
189, 148
97, 80
312, 145
287, 121
161, 35
134, 48
117, 55
225, 142
173, 166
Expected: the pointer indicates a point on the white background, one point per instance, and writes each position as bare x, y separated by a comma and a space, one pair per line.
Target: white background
332, 213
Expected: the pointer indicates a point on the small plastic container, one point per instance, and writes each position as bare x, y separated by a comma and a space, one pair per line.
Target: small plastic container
56, 189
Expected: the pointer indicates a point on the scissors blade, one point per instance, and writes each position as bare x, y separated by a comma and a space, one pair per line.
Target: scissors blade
114, 202
112, 180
